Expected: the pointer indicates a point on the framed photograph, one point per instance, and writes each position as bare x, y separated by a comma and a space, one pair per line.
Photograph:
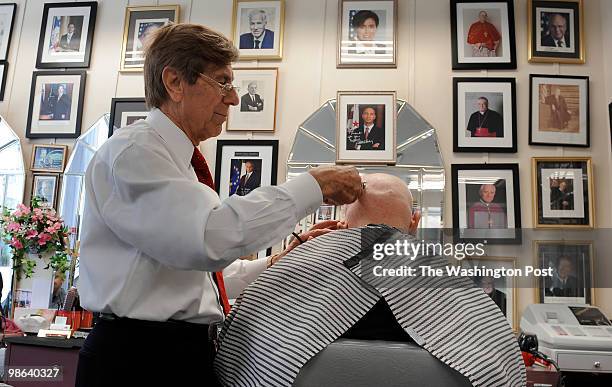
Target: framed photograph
66, 35
501, 290
484, 115
366, 127
323, 213
572, 267
482, 34
244, 165
56, 104
486, 203
140, 22
559, 110
257, 91
126, 111
45, 186
49, 158
367, 33
7, 18
555, 31
563, 192
3, 73
257, 27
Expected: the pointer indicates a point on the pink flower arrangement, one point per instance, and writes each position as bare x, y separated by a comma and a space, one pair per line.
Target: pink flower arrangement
34, 230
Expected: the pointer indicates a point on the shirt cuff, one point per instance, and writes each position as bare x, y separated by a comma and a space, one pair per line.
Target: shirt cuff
306, 193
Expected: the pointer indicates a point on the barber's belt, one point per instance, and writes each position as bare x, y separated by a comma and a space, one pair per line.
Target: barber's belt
213, 328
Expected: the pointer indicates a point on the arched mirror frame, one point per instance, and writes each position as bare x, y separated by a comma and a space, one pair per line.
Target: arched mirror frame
12, 188
419, 162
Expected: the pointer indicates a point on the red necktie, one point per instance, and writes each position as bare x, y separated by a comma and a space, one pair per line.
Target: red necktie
203, 173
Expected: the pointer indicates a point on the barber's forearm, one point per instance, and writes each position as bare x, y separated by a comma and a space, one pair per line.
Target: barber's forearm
245, 224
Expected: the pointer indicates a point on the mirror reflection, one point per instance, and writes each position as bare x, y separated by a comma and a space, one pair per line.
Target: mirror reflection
419, 162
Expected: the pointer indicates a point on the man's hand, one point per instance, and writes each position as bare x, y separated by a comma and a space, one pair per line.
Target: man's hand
317, 230
339, 185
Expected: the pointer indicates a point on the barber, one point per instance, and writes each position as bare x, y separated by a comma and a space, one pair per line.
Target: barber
155, 232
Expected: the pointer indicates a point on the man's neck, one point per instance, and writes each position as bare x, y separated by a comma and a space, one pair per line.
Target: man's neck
174, 117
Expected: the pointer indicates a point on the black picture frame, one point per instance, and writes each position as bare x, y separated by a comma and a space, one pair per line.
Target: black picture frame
458, 63
4, 51
41, 63
56, 183
76, 128
246, 144
533, 78
580, 257
513, 235
578, 196
610, 112
4, 69
541, 45
457, 128
123, 105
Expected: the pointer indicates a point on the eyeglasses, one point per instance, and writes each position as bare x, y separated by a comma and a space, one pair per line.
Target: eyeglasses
226, 88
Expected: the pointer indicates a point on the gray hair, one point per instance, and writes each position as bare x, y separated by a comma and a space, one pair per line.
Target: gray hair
190, 49
261, 12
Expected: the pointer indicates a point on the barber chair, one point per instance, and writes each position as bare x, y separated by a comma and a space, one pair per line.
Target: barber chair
371, 363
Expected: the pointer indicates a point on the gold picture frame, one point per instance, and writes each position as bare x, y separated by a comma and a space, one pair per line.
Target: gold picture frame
347, 55
242, 39
135, 55
44, 158
513, 293
347, 138
539, 297
542, 48
550, 206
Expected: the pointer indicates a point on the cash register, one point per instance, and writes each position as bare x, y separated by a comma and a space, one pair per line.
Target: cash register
577, 337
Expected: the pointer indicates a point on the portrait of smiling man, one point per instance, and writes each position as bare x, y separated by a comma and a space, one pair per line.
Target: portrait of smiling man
260, 36
558, 32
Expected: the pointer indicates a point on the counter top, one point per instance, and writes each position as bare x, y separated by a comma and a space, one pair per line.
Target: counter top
45, 341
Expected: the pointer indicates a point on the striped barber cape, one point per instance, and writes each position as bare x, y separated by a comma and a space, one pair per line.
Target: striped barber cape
316, 293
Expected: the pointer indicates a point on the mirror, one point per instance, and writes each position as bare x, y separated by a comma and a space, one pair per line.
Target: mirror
73, 186
12, 186
419, 162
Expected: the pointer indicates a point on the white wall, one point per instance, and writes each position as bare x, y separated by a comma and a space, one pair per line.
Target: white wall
308, 77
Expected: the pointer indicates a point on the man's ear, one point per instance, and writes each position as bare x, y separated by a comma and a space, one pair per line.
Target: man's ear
414, 222
173, 83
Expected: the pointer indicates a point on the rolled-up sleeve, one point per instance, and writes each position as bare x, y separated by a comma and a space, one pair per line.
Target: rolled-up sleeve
183, 224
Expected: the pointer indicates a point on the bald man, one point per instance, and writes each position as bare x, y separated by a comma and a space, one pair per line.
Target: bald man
558, 35
313, 296
387, 201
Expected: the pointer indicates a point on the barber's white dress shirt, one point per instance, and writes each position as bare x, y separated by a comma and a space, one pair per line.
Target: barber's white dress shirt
152, 233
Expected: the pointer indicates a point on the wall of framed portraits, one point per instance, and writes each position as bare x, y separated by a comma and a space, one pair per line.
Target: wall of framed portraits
308, 63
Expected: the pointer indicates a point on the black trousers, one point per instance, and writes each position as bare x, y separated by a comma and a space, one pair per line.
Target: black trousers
127, 352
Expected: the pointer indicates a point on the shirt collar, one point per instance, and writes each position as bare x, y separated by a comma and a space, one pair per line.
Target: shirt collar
175, 138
